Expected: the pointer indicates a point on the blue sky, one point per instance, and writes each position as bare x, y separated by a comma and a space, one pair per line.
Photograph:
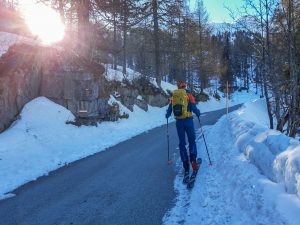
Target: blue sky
216, 10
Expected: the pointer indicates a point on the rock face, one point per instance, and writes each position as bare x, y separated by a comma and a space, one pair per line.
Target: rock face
140, 92
151, 94
19, 84
80, 92
27, 72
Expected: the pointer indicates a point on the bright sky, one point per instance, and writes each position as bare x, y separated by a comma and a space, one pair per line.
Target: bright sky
217, 11
43, 21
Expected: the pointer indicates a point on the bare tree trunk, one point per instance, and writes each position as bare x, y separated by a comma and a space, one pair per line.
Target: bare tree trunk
115, 42
124, 47
83, 13
61, 11
269, 108
277, 112
200, 68
266, 68
261, 85
293, 124
256, 84
156, 41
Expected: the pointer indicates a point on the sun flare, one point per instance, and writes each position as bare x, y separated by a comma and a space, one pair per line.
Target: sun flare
43, 21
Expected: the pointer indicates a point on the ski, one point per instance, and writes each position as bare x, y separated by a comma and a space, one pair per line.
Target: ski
192, 179
186, 178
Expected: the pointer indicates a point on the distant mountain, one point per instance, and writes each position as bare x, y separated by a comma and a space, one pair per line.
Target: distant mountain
222, 27
242, 25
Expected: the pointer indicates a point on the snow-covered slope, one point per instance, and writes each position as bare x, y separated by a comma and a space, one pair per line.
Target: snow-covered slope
117, 75
40, 141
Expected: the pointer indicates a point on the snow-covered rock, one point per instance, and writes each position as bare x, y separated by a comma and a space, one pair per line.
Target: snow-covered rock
117, 75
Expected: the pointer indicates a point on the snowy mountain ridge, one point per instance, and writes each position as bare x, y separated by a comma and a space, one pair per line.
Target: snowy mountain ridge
221, 28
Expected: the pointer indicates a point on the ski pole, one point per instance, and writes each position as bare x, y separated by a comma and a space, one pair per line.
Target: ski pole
210, 163
169, 161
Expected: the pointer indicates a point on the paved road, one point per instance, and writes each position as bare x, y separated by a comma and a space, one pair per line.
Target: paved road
129, 184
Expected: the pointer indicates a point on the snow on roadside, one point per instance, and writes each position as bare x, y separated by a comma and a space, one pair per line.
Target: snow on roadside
276, 155
40, 141
9, 39
236, 99
228, 192
237, 189
255, 112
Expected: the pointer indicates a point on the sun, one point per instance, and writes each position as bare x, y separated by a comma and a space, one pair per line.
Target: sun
42, 21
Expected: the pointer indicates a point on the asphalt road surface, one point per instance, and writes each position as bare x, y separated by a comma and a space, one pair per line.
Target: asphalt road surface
128, 184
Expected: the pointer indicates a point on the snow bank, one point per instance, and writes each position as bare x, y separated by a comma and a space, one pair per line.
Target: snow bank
276, 155
9, 39
255, 111
287, 168
40, 141
233, 190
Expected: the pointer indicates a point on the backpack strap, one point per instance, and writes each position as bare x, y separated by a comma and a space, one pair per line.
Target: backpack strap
191, 98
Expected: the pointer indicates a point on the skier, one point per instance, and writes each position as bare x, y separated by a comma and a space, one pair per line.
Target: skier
183, 105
